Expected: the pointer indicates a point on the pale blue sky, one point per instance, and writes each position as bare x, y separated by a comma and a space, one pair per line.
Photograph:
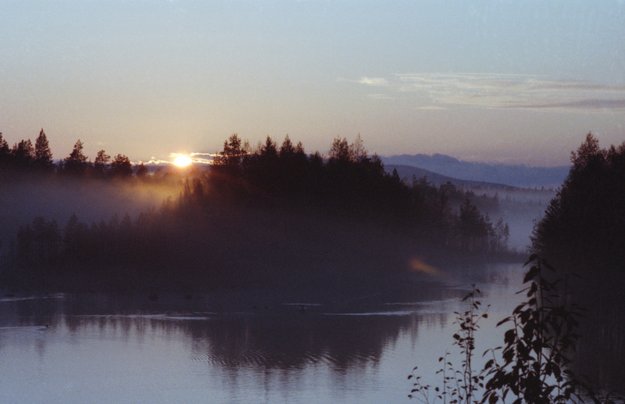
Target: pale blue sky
510, 81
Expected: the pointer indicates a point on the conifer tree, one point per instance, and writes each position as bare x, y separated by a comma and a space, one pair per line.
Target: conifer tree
101, 162
23, 153
76, 162
43, 155
5, 151
121, 166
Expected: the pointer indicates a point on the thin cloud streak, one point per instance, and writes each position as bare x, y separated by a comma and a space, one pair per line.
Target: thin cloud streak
498, 91
373, 81
584, 104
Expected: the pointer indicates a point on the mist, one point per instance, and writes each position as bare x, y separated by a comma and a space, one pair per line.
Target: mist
521, 209
25, 196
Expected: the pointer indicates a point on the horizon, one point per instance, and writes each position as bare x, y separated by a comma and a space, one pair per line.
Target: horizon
480, 81
206, 158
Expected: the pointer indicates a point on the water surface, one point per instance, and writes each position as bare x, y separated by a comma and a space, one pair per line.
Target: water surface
102, 349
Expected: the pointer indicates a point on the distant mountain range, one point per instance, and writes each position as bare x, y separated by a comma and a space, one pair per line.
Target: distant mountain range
406, 173
437, 165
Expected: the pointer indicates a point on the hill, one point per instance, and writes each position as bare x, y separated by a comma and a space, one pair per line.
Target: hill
514, 175
406, 173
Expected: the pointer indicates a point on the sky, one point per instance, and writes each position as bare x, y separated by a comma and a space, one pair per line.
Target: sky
498, 81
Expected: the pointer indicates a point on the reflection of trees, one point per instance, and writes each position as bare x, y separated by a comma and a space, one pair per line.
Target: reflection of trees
275, 342
269, 341
289, 339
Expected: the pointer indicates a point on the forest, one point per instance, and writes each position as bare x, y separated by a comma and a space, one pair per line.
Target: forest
582, 235
272, 216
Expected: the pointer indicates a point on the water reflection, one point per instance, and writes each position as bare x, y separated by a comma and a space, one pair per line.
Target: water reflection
120, 349
286, 340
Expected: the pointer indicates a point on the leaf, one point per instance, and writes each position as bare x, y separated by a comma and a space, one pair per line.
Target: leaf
531, 274
505, 320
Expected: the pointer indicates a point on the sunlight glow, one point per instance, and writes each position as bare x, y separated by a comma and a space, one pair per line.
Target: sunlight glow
182, 160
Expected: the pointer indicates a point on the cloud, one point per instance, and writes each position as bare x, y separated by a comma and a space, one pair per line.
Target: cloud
373, 81
196, 157
203, 158
499, 91
583, 104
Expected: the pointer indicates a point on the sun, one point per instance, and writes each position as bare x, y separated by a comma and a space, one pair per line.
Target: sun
182, 160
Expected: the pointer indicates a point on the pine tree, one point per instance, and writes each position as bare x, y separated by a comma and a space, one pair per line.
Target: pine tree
23, 153
101, 162
43, 155
76, 162
5, 152
121, 166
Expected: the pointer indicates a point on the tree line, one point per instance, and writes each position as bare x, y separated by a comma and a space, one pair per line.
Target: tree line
583, 234
259, 215
25, 156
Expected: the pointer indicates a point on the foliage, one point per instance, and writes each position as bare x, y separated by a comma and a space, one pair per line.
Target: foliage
458, 385
534, 364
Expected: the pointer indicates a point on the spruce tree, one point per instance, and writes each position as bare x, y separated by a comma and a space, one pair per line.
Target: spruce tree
43, 155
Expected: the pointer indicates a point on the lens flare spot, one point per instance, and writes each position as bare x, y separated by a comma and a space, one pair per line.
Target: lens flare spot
418, 265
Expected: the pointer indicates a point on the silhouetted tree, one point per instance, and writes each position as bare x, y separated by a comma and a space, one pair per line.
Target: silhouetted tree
5, 152
76, 162
472, 227
232, 154
101, 162
121, 166
287, 150
43, 154
23, 153
587, 213
339, 150
357, 150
